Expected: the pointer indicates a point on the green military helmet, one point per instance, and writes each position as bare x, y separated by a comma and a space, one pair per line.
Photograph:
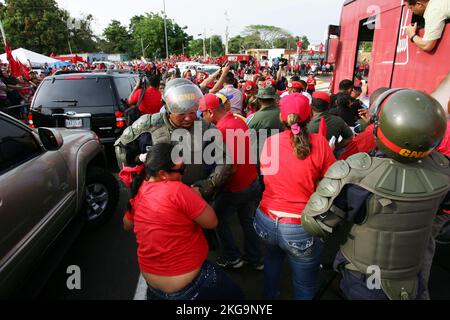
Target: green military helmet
409, 124
182, 96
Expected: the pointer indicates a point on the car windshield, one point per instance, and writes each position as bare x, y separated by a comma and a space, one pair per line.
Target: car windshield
84, 92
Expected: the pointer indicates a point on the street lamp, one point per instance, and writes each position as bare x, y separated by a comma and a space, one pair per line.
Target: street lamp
204, 43
165, 29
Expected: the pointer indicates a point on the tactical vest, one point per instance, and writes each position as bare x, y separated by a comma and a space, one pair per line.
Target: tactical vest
161, 130
399, 214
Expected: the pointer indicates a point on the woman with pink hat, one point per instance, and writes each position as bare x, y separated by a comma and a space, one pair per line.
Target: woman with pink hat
292, 163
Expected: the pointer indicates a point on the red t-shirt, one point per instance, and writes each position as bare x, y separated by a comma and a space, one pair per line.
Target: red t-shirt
363, 142
151, 103
170, 242
240, 151
311, 83
444, 147
290, 187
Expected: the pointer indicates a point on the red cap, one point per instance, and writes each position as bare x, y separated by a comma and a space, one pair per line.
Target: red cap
295, 85
322, 96
295, 103
209, 102
249, 85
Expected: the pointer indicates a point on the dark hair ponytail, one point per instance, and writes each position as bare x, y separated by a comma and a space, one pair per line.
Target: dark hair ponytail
159, 158
300, 142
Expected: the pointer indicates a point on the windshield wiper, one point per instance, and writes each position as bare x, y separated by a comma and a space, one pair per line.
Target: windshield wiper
73, 101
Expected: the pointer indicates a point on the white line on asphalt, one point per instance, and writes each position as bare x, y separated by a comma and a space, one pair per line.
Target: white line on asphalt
141, 290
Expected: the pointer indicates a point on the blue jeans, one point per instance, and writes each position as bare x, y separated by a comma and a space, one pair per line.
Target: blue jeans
212, 283
243, 203
303, 253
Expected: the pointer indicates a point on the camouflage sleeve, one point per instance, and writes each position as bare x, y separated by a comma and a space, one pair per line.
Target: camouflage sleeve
221, 174
130, 134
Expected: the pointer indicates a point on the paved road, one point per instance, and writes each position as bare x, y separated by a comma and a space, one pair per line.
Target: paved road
107, 258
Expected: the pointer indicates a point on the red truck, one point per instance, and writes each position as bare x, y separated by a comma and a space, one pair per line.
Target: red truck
371, 44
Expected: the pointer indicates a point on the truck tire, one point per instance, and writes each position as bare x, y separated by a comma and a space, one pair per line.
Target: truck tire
102, 194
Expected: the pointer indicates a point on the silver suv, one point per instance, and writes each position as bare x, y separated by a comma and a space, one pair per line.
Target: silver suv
47, 178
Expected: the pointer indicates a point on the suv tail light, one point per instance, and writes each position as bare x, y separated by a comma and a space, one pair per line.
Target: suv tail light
120, 119
30, 121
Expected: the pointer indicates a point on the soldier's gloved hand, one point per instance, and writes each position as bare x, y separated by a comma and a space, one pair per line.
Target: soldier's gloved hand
143, 157
140, 159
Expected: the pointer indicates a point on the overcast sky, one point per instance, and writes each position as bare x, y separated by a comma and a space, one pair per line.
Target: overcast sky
310, 17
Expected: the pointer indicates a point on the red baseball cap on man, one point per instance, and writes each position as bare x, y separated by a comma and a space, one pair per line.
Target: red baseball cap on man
295, 85
249, 86
295, 103
322, 96
209, 102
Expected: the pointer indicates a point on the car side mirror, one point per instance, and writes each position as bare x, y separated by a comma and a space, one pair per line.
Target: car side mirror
50, 138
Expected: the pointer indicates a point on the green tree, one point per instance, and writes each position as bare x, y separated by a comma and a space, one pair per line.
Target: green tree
148, 35
117, 38
263, 36
216, 45
305, 42
196, 47
38, 25
81, 36
236, 45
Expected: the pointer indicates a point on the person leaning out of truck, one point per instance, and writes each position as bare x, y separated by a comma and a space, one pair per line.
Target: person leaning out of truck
435, 12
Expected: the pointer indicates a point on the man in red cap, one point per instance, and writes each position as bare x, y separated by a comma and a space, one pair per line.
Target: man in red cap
242, 192
336, 126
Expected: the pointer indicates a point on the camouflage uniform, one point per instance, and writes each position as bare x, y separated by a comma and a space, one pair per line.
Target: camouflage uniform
208, 178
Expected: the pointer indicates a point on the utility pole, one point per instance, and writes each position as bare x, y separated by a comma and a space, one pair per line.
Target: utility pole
226, 32
165, 30
70, 48
204, 44
142, 45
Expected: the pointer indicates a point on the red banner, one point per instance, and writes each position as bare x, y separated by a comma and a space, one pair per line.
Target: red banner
15, 67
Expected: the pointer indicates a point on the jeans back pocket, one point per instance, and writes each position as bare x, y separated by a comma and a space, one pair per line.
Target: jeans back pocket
300, 248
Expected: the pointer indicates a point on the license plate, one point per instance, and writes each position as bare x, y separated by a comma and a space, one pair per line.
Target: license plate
74, 123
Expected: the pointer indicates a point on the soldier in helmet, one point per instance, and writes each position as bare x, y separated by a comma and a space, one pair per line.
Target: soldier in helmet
182, 99
390, 199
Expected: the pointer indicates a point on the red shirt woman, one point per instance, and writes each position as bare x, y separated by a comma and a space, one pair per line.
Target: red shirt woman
292, 163
167, 217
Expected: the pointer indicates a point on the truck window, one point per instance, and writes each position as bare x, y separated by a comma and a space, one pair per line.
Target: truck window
364, 50
124, 88
84, 92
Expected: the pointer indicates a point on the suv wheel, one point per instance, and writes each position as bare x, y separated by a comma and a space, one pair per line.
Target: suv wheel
102, 195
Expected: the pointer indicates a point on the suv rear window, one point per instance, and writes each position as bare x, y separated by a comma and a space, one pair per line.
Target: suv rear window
84, 92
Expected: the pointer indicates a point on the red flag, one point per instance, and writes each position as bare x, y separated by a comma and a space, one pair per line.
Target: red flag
24, 70
15, 67
321, 48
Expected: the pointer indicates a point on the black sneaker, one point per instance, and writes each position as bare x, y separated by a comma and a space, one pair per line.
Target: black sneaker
235, 264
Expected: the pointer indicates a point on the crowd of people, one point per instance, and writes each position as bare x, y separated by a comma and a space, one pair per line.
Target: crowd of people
17, 91
288, 212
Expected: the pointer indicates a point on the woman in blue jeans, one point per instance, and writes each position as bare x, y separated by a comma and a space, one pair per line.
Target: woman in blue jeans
292, 163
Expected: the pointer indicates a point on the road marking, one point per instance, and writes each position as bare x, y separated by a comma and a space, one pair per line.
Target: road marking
141, 289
